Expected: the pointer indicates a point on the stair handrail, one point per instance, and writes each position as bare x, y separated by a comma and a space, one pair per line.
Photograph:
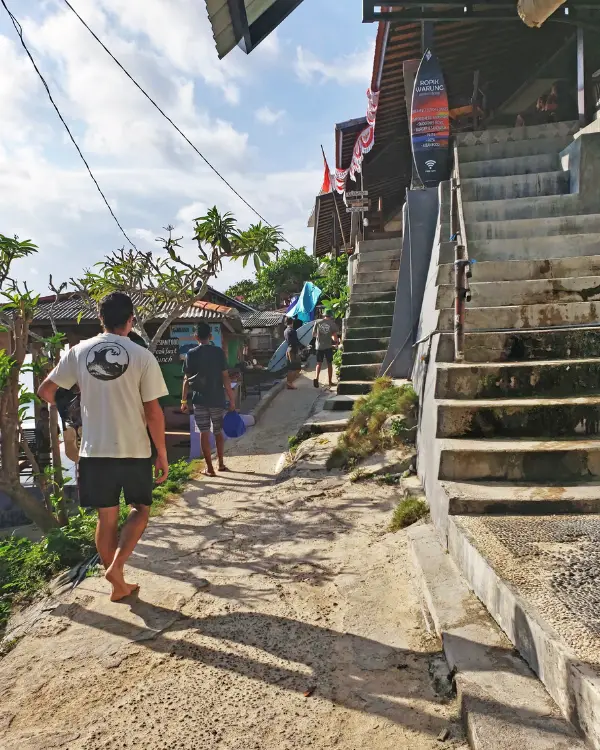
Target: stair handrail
462, 265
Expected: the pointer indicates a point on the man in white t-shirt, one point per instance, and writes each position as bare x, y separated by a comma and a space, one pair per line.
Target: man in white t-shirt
120, 384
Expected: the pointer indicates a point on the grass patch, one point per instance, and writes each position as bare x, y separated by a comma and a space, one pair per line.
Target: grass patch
26, 566
364, 434
408, 511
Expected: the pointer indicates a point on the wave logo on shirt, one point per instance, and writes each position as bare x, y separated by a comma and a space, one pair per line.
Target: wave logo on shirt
107, 361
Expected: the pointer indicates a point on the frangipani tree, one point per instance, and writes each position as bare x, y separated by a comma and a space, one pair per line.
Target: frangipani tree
164, 286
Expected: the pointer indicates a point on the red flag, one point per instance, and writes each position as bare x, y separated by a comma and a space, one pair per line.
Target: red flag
326, 187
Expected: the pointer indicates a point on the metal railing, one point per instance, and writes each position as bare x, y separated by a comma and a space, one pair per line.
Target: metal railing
462, 265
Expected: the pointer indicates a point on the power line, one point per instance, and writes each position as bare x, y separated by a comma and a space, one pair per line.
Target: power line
19, 30
163, 113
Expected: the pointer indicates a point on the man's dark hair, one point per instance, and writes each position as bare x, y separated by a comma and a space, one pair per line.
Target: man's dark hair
115, 310
203, 331
289, 321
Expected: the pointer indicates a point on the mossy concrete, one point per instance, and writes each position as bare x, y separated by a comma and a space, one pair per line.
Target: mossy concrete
519, 379
519, 418
523, 346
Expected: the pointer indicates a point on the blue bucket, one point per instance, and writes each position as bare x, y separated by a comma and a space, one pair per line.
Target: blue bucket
233, 425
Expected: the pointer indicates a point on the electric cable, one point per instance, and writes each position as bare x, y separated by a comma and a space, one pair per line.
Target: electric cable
19, 30
164, 114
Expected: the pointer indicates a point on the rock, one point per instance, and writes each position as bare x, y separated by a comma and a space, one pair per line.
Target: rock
394, 461
400, 428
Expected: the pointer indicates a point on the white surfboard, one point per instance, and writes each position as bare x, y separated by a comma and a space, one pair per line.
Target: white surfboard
278, 361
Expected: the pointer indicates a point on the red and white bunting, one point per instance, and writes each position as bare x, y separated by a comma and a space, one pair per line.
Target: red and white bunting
364, 144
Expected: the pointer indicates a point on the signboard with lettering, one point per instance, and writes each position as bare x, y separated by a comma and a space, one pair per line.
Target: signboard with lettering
430, 122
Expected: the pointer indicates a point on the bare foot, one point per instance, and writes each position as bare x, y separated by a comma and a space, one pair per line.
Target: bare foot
292, 388
209, 473
222, 467
120, 588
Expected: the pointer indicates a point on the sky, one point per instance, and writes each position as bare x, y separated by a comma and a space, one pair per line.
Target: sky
259, 118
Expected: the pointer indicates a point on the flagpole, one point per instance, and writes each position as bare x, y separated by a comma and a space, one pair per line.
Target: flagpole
335, 203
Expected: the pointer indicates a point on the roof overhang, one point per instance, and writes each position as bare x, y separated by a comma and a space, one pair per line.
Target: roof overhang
245, 22
569, 11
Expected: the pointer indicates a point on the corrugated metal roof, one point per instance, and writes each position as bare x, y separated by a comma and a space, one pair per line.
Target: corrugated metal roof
245, 21
68, 309
266, 319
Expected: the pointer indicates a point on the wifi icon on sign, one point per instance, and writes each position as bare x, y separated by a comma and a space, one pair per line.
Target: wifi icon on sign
430, 164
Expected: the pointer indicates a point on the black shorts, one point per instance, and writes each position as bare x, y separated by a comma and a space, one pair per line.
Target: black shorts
102, 479
325, 354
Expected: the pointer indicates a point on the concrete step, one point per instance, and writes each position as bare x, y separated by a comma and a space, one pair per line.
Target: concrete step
532, 248
515, 186
364, 357
376, 266
372, 296
519, 460
326, 421
528, 292
340, 403
526, 379
568, 417
360, 372
503, 704
361, 330
392, 244
517, 228
541, 207
537, 579
529, 499
359, 309
518, 270
504, 167
512, 149
517, 346
523, 316
354, 387
366, 345
376, 277
520, 133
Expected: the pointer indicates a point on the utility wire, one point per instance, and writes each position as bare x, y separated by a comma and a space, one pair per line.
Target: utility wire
19, 30
163, 113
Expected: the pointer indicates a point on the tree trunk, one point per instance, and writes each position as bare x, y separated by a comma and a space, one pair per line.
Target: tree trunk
10, 478
33, 509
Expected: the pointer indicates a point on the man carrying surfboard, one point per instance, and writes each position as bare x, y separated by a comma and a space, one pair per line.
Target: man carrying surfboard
325, 333
292, 354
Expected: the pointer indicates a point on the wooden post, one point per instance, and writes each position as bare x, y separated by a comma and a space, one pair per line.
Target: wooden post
581, 76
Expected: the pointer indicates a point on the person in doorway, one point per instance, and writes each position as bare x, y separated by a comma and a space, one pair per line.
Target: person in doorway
325, 332
293, 354
121, 384
207, 376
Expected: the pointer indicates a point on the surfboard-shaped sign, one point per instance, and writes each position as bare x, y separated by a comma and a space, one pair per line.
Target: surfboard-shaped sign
430, 122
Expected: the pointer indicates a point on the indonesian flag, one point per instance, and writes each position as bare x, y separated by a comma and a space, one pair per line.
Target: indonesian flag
326, 187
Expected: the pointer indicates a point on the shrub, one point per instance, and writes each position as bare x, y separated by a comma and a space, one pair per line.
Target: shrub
408, 511
363, 435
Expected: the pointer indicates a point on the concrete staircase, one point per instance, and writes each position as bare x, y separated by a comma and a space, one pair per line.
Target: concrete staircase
369, 321
516, 426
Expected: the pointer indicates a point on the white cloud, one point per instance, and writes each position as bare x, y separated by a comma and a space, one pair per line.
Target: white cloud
267, 116
150, 176
345, 70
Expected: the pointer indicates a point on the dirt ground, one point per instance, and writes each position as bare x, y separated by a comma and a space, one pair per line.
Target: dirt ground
271, 616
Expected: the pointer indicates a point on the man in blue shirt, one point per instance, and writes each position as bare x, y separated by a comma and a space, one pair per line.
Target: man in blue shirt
207, 376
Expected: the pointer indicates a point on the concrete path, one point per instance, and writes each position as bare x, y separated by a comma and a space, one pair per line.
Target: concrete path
308, 636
